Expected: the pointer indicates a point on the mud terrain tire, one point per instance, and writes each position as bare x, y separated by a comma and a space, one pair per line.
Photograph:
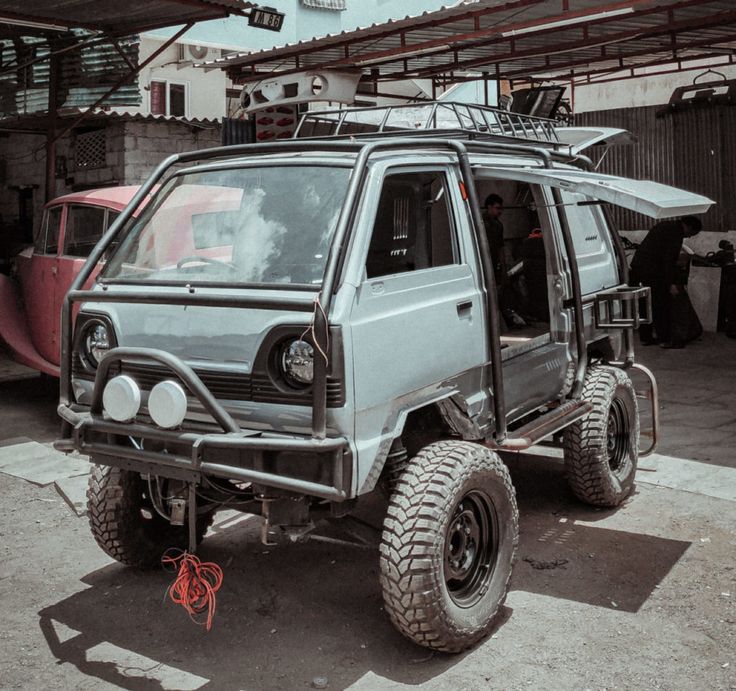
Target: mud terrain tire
118, 510
448, 545
602, 448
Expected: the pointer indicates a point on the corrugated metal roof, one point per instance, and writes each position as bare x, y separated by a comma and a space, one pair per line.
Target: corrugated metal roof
38, 122
116, 18
87, 72
512, 39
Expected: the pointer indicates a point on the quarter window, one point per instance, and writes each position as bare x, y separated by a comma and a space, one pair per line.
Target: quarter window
47, 241
413, 229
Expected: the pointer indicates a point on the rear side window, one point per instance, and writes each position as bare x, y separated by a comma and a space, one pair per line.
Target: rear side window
47, 241
84, 227
592, 241
413, 229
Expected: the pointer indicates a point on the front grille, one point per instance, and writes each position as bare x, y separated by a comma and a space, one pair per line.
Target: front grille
231, 386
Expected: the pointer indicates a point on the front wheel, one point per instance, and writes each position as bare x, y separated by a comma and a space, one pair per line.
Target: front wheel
448, 545
124, 522
602, 448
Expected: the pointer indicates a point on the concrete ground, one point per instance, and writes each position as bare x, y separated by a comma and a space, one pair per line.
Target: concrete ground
641, 597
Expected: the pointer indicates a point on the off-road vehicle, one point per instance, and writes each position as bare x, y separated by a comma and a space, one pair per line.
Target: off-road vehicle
331, 325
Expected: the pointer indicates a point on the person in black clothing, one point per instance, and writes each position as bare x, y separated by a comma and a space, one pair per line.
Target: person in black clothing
493, 207
655, 265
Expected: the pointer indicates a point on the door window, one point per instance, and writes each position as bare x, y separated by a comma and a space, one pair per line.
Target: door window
47, 241
84, 226
413, 229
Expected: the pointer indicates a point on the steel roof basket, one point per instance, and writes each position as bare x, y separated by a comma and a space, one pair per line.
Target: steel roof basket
430, 117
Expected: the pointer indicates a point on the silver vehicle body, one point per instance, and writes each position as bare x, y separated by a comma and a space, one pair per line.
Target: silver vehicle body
402, 342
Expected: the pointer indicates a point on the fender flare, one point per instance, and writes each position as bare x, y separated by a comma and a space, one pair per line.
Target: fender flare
14, 330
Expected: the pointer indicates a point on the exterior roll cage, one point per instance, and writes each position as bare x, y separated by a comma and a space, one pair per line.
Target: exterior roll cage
363, 149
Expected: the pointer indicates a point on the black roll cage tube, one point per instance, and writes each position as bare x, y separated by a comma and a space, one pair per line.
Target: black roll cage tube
364, 149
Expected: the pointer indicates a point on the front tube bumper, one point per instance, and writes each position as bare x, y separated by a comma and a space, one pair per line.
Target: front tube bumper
196, 453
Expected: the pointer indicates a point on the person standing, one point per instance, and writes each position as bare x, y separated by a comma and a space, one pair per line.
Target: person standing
655, 265
493, 208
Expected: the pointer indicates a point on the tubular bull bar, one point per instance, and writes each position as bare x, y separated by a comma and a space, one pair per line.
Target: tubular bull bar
92, 434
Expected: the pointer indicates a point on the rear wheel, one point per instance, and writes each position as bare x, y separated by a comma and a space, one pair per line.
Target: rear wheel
602, 449
448, 545
125, 523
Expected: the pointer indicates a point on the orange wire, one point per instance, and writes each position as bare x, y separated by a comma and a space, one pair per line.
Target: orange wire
195, 585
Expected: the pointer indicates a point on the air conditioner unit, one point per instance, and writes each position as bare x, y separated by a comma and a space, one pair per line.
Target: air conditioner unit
194, 53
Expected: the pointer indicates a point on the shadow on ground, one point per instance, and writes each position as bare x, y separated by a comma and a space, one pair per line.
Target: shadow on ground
290, 612
28, 408
563, 554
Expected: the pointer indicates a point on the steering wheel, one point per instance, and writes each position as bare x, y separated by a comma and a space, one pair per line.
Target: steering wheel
204, 260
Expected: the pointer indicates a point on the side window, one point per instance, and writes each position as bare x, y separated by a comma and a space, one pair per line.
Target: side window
413, 229
594, 250
111, 216
84, 227
47, 241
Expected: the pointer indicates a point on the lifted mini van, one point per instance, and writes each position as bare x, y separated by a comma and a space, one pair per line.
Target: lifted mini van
336, 327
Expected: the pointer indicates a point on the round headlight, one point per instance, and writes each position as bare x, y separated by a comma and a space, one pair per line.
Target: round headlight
96, 342
297, 363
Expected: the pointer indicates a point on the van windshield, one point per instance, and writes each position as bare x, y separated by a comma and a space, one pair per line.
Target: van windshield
262, 225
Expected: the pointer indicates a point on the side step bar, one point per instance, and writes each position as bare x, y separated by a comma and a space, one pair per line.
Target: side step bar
533, 432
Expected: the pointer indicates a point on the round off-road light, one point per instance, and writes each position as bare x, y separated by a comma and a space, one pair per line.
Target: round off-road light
167, 404
121, 398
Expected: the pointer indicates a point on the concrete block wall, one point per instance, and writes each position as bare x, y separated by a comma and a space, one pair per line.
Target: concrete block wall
133, 150
149, 143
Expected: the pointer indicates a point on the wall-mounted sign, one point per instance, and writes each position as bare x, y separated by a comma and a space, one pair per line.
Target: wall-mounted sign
266, 18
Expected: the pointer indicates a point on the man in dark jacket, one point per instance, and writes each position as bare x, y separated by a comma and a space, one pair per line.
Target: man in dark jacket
655, 265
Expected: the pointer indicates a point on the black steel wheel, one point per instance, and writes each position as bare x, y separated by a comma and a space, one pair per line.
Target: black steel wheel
448, 545
602, 449
471, 548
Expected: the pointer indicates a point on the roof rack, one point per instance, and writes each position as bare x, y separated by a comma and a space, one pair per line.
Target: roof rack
471, 120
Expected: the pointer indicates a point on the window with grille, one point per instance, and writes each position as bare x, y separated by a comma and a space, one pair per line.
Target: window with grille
91, 148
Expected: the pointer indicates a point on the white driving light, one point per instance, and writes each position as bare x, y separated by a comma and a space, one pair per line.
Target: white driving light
121, 398
297, 362
167, 404
96, 342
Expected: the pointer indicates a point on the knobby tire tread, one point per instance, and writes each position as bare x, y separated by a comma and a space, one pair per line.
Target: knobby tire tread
411, 552
586, 464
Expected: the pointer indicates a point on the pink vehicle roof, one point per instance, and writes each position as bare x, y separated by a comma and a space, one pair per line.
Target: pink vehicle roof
112, 197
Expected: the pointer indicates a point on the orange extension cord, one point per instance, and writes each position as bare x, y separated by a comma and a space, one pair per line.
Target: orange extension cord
195, 585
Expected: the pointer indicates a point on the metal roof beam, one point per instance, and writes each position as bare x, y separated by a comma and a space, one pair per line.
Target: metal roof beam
721, 18
293, 51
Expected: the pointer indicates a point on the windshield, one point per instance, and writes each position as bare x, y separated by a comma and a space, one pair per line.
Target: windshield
241, 226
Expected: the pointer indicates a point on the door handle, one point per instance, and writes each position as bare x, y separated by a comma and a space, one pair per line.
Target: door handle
465, 309
54, 270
